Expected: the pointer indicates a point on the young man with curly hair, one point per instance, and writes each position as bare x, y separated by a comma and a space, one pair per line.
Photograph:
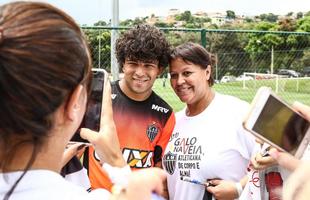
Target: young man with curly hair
144, 121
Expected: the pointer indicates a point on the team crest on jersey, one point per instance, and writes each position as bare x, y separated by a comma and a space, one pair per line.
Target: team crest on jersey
169, 161
152, 131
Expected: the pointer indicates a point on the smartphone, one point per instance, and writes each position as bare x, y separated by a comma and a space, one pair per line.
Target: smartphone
92, 115
276, 123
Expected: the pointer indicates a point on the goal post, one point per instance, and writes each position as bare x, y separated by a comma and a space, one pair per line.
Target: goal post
261, 77
278, 83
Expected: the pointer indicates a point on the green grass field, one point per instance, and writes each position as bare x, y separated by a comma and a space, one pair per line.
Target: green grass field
289, 89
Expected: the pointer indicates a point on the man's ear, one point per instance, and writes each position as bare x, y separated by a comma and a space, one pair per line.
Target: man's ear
122, 67
160, 71
76, 102
208, 72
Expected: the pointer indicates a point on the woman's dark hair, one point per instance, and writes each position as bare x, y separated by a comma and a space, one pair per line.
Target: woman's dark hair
43, 57
194, 53
144, 43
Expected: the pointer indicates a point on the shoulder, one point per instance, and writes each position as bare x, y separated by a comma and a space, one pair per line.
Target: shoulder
114, 85
233, 107
180, 113
231, 102
158, 103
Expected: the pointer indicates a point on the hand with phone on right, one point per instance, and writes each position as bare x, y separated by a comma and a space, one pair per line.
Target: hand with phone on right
283, 159
298, 185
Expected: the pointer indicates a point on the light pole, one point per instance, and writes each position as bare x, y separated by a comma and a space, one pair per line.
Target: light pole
272, 56
216, 69
259, 43
114, 36
272, 60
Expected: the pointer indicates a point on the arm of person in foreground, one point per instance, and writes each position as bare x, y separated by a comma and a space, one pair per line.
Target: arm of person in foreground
223, 189
297, 185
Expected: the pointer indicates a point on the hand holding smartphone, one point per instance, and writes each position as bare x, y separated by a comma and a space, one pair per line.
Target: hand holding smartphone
274, 122
92, 115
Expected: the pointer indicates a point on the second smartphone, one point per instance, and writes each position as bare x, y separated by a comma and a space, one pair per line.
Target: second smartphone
276, 123
92, 115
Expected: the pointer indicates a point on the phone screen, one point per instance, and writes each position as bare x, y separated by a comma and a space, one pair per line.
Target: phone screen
281, 125
92, 115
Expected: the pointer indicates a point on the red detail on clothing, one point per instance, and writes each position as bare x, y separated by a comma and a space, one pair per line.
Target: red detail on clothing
273, 181
255, 179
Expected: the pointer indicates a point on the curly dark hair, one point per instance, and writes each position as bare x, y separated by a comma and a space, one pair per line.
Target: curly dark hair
143, 43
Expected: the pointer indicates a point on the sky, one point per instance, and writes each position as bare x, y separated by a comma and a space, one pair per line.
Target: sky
90, 11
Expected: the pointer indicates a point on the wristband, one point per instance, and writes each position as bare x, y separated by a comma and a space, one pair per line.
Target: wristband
118, 192
118, 175
239, 188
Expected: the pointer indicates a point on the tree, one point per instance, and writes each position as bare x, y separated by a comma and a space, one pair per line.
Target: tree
287, 24
127, 22
230, 14
248, 20
185, 16
136, 21
306, 59
177, 38
230, 53
94, 37
100, 23
259, 47
269, 17
299, 15
304, 24
162, 24
265, 26
289, 14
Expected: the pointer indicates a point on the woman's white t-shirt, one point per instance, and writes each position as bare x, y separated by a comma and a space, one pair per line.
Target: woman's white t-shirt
210, 145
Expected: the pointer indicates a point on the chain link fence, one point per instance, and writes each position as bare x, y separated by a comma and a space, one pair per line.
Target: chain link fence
246, 60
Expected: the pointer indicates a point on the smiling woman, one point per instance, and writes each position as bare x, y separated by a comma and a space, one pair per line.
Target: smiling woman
208, 142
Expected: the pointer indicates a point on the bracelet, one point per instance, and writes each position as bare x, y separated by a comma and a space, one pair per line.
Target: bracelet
118, 175
117, 192
239, 188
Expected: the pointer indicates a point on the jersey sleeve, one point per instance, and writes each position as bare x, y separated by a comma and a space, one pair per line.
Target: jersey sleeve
166, 133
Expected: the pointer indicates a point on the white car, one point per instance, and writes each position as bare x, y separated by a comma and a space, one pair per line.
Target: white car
244, 78
226, 79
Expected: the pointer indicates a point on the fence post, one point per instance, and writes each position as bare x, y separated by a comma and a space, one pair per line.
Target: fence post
99, 55
114, 36
277, 84
114, 64
203, 34
216, 68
